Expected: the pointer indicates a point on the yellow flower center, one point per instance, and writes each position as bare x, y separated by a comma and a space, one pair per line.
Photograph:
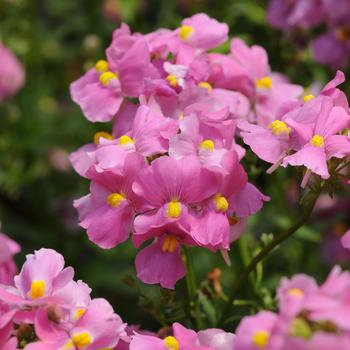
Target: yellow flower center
81, 340
205, 85
170, 243
104, 134
278, 127
174, 209
171, 343
101, 66
260, 339
172, 80
37, 289
79, 313
185, 32
296, 292
264, 83
207, 145
221, 203
309, 97
317, 141
114, 199
106, 77
125, 139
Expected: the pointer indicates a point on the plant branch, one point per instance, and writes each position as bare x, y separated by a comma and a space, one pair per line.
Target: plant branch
307, 210
192, 291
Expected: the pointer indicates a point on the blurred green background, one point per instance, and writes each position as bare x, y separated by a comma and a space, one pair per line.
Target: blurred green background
56, 41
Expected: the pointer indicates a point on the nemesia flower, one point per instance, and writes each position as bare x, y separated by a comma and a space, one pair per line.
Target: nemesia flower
183, 338
161, 262
247, 70
8, 269
107, 213
42, 276
290, 14
12, 74
320, 141
254, 332
309, 317
217, 339
202, 32
168, 196
346, 239
99, 327
332, 48
149, 134
48, 310
101, 90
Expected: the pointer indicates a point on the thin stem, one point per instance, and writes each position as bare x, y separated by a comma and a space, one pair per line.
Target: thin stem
266, 250
192, 289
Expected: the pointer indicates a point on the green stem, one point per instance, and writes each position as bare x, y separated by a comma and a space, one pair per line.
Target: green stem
192, 289
265, 252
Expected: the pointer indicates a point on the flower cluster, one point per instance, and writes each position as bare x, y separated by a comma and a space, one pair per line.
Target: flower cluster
307, 133
310, 317
46, 309
332, 47
12, 74
170, 170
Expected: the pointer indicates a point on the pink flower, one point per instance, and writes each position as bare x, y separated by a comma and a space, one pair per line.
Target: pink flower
202, 32
255, 332
161, 261
217, 339
12, 74
40, 279
107, 212
206, 141
8, 269
168, 196
99, 327
293, 294
149, 134
320, 141
346, 239
101, 90
300, 13
183, 338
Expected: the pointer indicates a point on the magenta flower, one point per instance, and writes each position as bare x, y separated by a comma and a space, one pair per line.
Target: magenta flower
12, 74
8, 268
346, 239
170, 196
101, 90
255, 332
183, 338
39, 283
149, 134
247, 70
107, 212
293, 295
297, 13
216, 339
206, 141
161, 261
99, 327
320, 141
202, 32
332, 48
